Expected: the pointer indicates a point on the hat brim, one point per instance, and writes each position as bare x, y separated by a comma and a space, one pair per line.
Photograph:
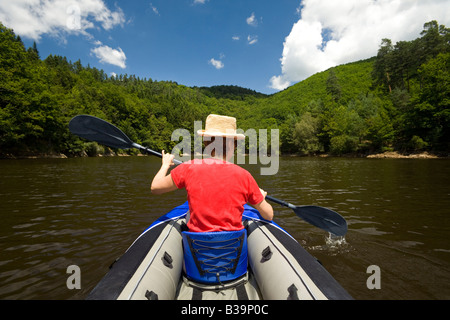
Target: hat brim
237, 136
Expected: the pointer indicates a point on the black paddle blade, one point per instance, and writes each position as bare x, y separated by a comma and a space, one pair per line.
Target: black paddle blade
95, 129
323, 218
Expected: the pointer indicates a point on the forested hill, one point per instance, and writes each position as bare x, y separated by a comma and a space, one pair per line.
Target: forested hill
398, 100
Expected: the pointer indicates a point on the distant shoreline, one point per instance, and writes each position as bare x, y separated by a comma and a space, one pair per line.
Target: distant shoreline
396, 155
384, 155
390, 155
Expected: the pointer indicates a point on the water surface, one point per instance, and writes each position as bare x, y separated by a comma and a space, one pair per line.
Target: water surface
87, 211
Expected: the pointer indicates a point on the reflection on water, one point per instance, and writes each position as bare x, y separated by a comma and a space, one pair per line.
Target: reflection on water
86, 212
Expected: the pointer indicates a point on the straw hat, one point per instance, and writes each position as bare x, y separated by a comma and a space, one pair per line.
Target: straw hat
220, 126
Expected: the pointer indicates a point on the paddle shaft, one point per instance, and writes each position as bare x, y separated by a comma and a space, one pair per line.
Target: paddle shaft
281, 202
152, 152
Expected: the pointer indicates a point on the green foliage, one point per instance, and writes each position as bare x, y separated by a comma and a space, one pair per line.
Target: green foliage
93, 149
416, 75
230, 92
343, 143
396, 100
306, 134
333, 86
417, 144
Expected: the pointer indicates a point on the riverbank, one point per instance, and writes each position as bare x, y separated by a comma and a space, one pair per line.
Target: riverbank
396, 155
110, 153
384, 155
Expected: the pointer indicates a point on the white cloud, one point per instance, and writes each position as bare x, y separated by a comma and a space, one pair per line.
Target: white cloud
330, 33
199, 1
236, 38
279, 83
111, 56
251, 21
33, 18
154, 9
252, 39
216, 63
59, 18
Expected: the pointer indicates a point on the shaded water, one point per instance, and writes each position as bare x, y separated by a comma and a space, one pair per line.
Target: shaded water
86, 212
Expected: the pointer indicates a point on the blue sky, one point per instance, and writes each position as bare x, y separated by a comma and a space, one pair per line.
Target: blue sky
257, 44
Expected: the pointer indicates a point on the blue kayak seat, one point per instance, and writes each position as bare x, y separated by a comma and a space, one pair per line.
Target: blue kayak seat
215, 257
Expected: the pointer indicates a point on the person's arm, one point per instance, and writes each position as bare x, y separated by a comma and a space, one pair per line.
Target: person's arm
162, 182
264, 208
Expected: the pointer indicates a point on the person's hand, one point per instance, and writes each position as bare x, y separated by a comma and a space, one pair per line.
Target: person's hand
167, 159
264, 193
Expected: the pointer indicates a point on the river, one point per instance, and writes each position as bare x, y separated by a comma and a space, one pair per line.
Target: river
87, 211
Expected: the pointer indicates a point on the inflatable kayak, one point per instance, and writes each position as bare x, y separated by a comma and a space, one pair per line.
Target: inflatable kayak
276, 266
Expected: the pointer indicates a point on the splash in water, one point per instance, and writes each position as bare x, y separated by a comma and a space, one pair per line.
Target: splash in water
333, 241
334, 245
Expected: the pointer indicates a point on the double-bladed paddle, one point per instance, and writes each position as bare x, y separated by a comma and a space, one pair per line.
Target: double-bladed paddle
101, 131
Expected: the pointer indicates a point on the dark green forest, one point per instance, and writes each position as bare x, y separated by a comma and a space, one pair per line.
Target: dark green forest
396, 101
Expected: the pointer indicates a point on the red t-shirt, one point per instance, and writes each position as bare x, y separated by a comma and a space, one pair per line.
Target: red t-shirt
217, 191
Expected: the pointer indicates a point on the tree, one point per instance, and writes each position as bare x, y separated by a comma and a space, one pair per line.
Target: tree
381, 68
432, 110
33, 52
380, 131
306, 134
333, 87
435, 40
345, 130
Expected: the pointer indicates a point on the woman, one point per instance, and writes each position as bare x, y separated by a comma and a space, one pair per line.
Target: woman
216, 188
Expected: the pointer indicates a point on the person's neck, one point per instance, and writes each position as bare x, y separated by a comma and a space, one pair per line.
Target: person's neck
224, 159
